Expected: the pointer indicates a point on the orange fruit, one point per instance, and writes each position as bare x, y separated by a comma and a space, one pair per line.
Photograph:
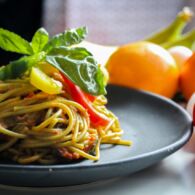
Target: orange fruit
146, 66
187, 77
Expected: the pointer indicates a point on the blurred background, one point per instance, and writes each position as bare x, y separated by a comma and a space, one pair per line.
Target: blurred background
109, 22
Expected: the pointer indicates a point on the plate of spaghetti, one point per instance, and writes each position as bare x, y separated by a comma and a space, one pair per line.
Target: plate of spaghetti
59, 125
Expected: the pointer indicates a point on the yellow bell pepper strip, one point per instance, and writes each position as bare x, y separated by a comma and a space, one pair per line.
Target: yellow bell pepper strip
43, 82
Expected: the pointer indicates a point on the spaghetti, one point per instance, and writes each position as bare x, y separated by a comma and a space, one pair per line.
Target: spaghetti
36, 127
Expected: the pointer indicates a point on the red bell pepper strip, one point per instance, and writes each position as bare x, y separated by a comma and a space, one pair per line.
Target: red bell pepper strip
97, 119
90, 97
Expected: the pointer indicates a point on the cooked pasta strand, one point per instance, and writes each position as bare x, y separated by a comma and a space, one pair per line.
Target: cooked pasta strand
43, 128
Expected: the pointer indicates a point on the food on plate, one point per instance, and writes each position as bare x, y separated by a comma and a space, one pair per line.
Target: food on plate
52, 103
144, 65
187, 77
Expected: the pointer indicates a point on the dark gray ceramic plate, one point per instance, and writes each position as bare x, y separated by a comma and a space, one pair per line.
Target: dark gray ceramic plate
157, 127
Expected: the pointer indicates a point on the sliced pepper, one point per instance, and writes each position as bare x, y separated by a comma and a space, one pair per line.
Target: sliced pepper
90, 97
97, 119
43, 82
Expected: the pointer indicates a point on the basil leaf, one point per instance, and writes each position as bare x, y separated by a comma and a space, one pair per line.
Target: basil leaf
39, 40
10, 41
18, 67
67, 38
80, 67
14, 69
74, 52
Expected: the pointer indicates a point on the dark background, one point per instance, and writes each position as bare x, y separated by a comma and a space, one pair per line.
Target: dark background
23, 17
111, 22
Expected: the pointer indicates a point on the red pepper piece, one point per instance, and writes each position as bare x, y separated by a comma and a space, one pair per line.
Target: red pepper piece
97, 119
90, 97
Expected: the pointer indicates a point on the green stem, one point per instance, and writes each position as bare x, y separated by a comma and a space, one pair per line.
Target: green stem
174, 30
187, 40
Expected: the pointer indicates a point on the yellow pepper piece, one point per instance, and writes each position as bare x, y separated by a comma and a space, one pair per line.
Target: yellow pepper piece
105, 73
43, 82
47, 68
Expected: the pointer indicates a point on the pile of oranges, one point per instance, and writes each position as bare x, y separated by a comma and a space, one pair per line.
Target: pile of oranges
147, 66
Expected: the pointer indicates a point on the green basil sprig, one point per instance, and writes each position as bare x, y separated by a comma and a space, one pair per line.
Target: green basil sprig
39, 40
10, 41
67, 38
76, 63
79, 66
19, 67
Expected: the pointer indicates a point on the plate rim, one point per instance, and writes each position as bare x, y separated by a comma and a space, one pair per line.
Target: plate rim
171, 147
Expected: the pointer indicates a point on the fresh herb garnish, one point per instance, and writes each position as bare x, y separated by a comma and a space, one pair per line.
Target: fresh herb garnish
67, 38
18, 67
79, 66
75, 63
39, 40
10, 41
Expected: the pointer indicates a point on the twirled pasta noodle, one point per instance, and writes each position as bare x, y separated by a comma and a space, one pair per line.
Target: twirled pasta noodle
39, 127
